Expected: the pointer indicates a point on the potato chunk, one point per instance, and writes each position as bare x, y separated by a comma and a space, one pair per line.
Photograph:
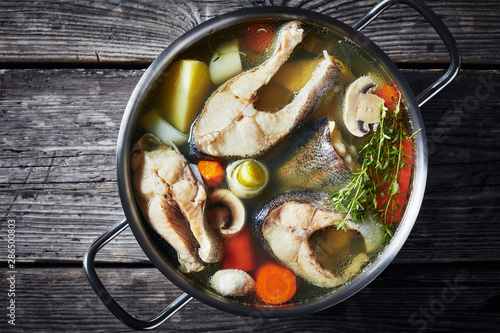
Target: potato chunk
184, 91
227, 63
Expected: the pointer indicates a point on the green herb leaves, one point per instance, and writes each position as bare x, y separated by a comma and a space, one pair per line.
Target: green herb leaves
376, 186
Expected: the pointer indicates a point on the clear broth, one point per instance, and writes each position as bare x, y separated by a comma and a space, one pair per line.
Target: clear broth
345, 52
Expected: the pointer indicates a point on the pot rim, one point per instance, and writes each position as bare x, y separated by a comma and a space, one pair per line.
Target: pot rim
125, 181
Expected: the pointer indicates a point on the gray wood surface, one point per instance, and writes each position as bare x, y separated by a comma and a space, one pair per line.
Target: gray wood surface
58, 165
128, 32
66, 73
55, 300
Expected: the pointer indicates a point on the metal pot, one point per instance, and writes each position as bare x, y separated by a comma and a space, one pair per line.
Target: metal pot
144, 238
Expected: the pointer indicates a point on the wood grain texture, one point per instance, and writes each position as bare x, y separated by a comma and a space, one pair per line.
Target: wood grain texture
59, 130
67, 70
122, 33
58, 172
451, 298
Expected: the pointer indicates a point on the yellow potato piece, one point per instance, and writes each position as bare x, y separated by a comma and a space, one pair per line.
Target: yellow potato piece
184, 91
289, 80
294, 75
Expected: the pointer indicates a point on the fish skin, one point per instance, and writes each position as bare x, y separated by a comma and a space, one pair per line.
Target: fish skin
315, 164
173, 202
229, 127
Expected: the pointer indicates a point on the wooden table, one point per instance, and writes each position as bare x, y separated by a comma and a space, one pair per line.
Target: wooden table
66, 73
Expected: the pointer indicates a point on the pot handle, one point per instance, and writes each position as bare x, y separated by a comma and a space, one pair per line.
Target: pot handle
111, 304
441, 29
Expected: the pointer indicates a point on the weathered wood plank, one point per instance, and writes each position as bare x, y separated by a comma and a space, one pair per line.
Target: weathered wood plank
58, 130
125, 32
445, 298
58, 178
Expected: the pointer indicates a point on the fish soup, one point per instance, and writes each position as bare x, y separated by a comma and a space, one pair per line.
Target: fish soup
254, 162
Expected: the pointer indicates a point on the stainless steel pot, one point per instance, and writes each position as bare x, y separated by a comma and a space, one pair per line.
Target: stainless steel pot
145, 239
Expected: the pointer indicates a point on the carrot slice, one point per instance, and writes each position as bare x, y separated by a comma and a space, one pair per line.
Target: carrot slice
390, 95
275, 284
212, 172
259, 37
239, 251
395, 208
405, 173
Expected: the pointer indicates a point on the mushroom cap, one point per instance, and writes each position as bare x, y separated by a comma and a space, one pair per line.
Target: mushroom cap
232, 282
227, 212
361, 106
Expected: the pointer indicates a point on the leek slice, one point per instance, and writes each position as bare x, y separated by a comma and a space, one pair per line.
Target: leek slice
159, 127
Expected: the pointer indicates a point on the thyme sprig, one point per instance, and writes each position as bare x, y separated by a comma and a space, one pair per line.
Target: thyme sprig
215, 51
382, 159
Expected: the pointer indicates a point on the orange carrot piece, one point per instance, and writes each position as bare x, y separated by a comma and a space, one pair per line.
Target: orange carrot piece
212, 172
395, 208
259, 37
390, 95
275, 284
239, 251
405, 173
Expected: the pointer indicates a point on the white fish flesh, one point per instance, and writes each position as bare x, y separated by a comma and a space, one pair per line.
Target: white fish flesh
229, 125
287, 224
173, 201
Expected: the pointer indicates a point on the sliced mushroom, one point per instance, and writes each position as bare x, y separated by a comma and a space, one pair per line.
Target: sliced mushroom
362, 107
232, 282
227, 212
